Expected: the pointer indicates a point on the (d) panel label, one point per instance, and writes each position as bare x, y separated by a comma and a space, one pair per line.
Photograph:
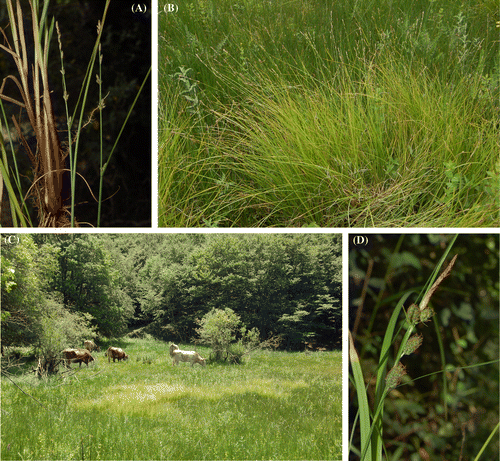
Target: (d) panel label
360, 240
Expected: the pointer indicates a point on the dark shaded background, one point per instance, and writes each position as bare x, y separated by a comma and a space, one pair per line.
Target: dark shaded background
467, 312
126, 50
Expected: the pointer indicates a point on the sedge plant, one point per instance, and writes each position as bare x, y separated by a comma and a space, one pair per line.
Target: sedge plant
48, 161
390, 375
50, 158
338, 116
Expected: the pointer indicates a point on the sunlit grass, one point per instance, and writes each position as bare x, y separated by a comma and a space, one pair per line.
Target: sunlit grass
333, 125
397, 148
148, 396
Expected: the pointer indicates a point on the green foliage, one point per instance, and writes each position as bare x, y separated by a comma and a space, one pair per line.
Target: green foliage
32, 312
62, 328
320, 319
260, 277
24, 278
91, 282
162, 284
8, 274
220, 329
190, 90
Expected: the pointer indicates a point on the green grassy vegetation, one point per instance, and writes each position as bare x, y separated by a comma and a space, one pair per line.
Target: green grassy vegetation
54, 151
309, 113
276, 405
424, 349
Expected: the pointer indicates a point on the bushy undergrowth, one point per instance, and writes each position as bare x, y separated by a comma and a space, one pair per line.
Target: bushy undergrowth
329, 115
146, 408
229, 340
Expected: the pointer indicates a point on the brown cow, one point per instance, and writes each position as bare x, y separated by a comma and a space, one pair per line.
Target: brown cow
91, 346
77, 355
116, 353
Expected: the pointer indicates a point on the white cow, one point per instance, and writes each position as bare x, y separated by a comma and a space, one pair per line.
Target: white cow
185, 356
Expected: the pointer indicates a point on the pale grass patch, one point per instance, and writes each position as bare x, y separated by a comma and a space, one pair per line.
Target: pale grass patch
158, 398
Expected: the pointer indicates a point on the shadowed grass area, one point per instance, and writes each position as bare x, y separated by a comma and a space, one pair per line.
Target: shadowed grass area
362, 120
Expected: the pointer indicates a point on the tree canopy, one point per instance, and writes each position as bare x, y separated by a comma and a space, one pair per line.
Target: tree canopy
286, 285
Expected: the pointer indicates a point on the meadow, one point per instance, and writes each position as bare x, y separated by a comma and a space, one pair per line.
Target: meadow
277, 405
333, 114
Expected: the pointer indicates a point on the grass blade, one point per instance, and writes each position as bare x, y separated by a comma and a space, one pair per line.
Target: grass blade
487, 442
364, 409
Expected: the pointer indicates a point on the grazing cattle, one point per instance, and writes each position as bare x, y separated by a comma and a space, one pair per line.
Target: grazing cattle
91, 346
116, 353
313, 346
77, 355
185, 356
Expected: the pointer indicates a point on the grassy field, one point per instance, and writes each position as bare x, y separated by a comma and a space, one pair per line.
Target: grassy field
275, 406
318, 113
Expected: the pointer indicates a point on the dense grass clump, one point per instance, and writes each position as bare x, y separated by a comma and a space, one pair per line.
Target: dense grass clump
313, 114
149, 409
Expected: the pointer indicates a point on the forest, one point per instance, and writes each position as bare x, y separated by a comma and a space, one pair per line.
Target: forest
58, 290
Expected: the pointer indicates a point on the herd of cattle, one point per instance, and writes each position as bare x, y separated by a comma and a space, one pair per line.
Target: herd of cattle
85, 355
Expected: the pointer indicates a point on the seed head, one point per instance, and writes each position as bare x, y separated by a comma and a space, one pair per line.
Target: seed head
413, 314
394, 376
426, 314
412, 344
